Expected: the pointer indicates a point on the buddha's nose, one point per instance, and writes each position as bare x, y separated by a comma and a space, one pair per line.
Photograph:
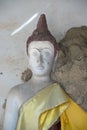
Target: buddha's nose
40, 59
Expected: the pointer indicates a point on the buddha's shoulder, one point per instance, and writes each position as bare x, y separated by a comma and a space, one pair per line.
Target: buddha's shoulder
16, 90
19, 94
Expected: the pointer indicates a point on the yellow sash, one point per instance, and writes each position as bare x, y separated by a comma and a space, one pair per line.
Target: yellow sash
74, 118
41, 112
44, 109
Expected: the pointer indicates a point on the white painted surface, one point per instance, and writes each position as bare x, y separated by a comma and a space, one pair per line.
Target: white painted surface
61, 15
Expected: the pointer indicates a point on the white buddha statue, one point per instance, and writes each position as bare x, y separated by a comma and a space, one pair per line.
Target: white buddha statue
40, 103
41, 55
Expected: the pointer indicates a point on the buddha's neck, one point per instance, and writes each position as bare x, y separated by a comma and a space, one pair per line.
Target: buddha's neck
40, 79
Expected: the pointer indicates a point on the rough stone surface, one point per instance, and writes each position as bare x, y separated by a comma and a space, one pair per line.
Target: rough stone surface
71, 69
72, 64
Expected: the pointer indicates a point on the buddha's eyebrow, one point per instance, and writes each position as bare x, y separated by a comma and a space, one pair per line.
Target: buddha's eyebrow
42, 48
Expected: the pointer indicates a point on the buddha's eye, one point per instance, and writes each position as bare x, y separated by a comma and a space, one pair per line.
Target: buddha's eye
35, 52
46, 53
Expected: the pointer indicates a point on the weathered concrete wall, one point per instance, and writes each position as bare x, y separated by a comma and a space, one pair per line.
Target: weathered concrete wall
61, 15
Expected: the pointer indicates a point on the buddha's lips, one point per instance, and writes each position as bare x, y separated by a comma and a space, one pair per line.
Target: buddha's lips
40, 67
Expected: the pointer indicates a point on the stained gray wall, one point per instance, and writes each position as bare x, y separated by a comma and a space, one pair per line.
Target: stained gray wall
16, 25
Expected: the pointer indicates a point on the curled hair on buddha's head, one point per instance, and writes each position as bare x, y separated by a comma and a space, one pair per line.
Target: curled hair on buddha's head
41, 33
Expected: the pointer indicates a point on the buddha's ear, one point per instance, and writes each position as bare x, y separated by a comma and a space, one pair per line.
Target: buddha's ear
55, 62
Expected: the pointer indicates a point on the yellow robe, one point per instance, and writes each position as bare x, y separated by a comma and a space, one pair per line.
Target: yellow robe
44, 109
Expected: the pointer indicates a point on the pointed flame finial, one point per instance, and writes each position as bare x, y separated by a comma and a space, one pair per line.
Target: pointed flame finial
42, 23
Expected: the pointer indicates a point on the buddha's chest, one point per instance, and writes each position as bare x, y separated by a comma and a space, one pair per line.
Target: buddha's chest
27, 93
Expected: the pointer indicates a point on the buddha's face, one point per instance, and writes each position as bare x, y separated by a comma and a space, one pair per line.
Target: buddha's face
41, 57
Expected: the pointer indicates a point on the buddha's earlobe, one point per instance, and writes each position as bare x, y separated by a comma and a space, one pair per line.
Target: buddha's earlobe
55, 62
29, 66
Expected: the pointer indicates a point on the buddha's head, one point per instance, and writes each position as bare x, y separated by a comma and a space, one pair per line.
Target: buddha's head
41, 49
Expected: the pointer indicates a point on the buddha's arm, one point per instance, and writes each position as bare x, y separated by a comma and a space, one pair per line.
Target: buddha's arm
11, 112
